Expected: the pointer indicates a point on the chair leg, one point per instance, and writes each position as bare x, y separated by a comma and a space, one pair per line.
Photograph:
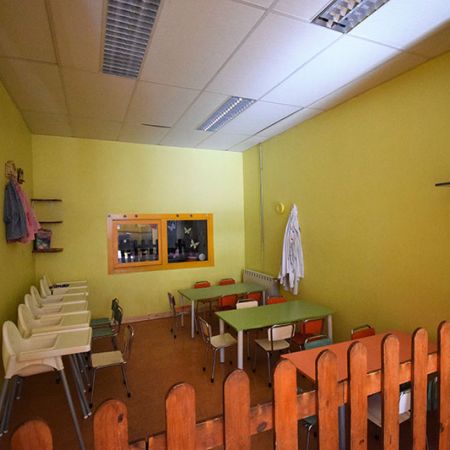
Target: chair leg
114, 342
8, 407
125, 379
254, 358
308, 436
19, 388
3, 396
268, 367
91, 401
214, 365
72, 410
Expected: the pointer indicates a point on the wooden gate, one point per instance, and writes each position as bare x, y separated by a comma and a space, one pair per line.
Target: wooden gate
240, 421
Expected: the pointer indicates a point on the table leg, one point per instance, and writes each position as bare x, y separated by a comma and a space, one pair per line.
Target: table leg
192, 320
240, 350
330, 326
342, 431
222, 351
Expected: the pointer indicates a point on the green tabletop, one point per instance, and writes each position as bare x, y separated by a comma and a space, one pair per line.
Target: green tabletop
265, 316
195, 295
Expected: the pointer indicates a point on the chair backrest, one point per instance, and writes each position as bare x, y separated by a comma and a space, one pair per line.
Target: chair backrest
128, 338
404, 403
225, 281
257, 295
114, 305
280, 332
316, 341
35, 294
273, 300
31, 302
11, 342
228, 301
172, 305
117, 318
25, 320
243, 303
45, 288
312, 326
201, 284
205, 330
362, 331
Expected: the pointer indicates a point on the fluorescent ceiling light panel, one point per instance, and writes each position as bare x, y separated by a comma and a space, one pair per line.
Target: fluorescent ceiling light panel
228, 111
129, 24
344, 15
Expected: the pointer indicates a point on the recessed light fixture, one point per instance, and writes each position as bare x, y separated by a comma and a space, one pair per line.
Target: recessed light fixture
226, 112
128, 27
344, 15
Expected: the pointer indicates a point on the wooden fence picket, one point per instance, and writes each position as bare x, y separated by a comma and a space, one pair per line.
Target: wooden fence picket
357, 393
237, 411
390, 392
444, 385
32, 435
328, 400
419, 388
181, 418
111, 426
285, 406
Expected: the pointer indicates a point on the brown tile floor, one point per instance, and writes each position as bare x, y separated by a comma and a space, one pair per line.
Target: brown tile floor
157, 362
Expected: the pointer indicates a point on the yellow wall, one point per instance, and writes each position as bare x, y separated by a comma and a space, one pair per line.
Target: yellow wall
95, 178
375, 230
16, 261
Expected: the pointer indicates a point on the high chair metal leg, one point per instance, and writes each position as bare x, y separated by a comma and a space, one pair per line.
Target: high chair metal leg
3, 397
9, 400
72, 411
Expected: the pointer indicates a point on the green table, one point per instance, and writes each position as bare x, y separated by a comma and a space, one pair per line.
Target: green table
265, 316
195, 295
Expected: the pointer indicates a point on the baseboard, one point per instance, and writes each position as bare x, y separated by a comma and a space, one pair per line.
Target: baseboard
154, 316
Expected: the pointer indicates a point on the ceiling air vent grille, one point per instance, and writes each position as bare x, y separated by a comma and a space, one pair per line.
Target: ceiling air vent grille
129, 24
344, 15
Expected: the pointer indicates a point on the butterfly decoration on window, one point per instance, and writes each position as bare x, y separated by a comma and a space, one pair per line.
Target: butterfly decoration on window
187, 230
172, 226
194, 245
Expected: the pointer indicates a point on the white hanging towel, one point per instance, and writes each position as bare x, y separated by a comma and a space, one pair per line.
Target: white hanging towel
292, 259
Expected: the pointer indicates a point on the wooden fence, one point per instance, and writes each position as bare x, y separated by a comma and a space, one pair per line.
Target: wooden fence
240, 421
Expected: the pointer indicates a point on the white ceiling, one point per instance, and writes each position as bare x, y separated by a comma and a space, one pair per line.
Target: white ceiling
200, 53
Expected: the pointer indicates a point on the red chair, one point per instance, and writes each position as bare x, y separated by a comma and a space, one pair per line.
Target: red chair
307, 329
273, 300
225, 281
201, 284
227, 302
257, 295
361, 332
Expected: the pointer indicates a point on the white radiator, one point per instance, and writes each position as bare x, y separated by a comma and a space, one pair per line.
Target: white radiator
271, 285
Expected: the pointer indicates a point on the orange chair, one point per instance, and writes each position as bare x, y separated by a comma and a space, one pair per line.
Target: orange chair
273, 300
203, 306
227, 302
225, 281
201, 284
257, 295
307, 329
361, 332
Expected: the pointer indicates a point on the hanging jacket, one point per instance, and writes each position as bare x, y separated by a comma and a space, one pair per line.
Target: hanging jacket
32, 222
14, 214
292, 268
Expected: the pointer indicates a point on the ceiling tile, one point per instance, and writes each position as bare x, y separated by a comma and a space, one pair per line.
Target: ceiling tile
96, 95
95, 129
434, 44
289, 122
257, 117
200, 110
133, 132
394, 67
34, 86
193, 38
157, 104
401, 23
222, 141
25, 30
245, 145
304, 9
342, 62
184, 138
48, 124
277, 47
78, 30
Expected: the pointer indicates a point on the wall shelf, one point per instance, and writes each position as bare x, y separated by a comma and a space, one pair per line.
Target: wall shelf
46, 200
50, 221
446, 183
48, 250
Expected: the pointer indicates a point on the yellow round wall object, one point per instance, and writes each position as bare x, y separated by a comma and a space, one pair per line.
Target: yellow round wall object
279, 208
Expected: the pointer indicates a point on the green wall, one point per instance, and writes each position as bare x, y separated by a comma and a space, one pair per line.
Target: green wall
96, 178
375, 229
16, 260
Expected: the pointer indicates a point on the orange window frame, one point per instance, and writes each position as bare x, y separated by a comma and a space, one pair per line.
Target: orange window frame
162, 263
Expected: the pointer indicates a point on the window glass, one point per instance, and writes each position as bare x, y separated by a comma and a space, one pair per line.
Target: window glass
187, 240
137, 242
